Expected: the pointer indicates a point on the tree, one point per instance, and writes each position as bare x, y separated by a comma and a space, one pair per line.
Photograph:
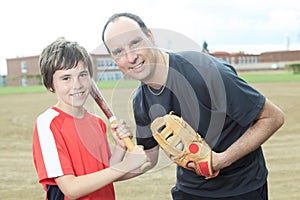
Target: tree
204, 47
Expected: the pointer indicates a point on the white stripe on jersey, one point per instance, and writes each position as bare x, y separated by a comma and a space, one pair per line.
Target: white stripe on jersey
47, 142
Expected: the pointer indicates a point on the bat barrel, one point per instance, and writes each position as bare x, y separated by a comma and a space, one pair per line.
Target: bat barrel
100, 100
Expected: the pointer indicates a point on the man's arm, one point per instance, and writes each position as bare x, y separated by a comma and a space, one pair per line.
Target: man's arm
270, 119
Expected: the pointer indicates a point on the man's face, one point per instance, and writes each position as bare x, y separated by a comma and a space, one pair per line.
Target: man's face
132, 50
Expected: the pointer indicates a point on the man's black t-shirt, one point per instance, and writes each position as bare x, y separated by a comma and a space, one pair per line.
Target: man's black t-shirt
208, 94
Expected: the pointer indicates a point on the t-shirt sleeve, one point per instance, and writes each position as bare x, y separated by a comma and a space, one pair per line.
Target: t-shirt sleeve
144, 137
143, 132
244, 102
103, 127
50, 156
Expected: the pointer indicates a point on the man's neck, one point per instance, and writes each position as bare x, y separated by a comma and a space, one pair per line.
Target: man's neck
160, 76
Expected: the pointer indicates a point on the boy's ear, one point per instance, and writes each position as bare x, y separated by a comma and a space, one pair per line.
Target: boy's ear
51, 90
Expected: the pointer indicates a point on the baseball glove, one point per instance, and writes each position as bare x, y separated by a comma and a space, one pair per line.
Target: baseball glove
183, 145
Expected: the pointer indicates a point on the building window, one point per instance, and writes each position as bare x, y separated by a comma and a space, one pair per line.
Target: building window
24, 81
232, 60
106, 63
110, 76
23, 67
248, 59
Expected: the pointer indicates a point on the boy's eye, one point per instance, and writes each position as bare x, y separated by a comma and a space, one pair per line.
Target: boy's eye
65, 78
84, 74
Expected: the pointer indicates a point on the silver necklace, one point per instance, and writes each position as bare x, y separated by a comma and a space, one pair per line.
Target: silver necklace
160, 91
164, 85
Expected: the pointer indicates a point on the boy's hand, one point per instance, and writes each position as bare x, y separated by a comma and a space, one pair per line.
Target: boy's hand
120, 131
135, 158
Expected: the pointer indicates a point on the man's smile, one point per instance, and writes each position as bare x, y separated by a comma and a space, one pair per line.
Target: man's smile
137, 67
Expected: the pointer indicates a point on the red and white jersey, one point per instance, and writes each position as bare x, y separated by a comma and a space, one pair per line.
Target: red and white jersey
65, 145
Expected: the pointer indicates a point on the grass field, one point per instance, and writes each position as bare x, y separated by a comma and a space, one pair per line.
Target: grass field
252, 77
19, 110
40, 88
270, 76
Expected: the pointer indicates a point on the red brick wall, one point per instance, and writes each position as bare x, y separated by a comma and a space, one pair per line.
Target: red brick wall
15, 74
279, 56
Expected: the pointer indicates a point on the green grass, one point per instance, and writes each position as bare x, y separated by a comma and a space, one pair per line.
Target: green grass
117, 84
22, 89
251, 77
41, 88
269, 76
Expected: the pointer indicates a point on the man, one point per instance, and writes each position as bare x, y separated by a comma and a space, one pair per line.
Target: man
233, 117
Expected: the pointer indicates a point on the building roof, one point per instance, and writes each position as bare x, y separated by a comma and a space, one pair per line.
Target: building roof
100, 50
22, 58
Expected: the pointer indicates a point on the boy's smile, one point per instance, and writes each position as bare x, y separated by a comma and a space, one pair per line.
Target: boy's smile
72, 87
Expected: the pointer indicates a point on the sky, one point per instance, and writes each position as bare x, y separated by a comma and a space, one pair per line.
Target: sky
255, 26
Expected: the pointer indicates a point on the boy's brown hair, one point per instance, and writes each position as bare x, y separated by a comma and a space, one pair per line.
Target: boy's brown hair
62, 55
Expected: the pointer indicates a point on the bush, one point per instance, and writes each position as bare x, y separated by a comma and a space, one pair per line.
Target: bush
294, 67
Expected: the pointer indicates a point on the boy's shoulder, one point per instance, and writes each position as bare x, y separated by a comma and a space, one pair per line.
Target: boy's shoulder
50, 113
92, 116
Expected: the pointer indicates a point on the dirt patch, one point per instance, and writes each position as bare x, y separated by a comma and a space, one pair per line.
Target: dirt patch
18, 178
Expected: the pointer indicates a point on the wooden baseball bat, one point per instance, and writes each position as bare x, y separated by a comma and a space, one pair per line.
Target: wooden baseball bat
100, 100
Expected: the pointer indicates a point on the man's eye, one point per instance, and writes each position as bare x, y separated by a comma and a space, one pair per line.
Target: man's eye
117, 52
135, 43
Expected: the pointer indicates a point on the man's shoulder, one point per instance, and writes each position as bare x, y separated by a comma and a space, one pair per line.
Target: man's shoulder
202, 61
192, 57
189, 54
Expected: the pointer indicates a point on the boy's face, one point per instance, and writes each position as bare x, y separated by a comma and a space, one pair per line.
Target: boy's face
72, 87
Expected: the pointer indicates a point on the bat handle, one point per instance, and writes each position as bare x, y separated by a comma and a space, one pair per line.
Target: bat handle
130, 145
128, 142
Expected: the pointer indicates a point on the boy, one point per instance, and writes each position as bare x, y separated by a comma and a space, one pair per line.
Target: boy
70, 148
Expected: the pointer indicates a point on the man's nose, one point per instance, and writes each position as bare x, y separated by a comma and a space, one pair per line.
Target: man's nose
131, 56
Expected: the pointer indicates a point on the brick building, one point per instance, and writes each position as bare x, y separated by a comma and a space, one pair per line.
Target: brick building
237, 58
278, 56
25, 70
263, 61
104, 66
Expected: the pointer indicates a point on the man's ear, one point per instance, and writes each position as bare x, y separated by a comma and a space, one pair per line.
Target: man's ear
150, 36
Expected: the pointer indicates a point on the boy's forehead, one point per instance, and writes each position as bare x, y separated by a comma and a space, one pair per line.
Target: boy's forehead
79, 67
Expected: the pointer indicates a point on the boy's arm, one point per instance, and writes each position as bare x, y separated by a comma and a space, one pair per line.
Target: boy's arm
117, 156
152, 155
77, 186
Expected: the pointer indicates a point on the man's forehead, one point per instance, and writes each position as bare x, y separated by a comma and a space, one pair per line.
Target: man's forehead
122, 27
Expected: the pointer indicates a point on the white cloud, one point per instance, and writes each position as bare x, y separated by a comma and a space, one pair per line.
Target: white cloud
28, 26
